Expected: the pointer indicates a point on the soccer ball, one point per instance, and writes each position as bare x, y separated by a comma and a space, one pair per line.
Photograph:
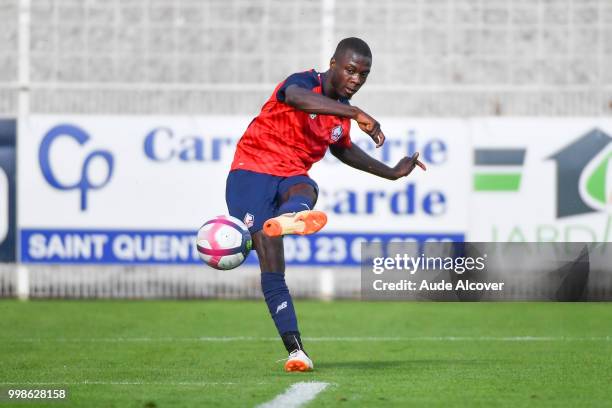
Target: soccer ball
224, 242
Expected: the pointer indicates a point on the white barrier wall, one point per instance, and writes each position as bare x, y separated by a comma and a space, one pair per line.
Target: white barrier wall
115, 189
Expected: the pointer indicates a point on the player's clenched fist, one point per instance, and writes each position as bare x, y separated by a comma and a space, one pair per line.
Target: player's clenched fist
370, 126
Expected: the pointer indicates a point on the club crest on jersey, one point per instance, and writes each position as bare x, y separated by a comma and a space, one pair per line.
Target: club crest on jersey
313, 116
248, 220
336, 133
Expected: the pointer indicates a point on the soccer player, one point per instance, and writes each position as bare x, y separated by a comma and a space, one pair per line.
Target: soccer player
268, 185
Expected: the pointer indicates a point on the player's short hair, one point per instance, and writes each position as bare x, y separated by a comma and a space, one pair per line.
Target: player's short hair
354, 44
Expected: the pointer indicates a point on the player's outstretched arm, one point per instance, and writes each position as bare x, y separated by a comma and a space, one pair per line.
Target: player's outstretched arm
357, 158
310, 102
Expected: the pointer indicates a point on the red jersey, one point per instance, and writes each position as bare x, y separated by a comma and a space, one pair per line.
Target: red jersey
283, 141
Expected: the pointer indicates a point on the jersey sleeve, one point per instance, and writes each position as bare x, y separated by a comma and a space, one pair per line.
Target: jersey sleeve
307, 80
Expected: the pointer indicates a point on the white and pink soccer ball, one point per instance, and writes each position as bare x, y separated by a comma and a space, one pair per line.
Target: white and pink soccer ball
224, 242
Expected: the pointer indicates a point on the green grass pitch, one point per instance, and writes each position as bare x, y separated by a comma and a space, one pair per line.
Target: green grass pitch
224, 353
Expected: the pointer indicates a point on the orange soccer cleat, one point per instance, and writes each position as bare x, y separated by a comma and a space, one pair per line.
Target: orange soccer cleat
301, 223
298, 361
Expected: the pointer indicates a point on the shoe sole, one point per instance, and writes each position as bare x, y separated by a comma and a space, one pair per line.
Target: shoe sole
296, 365
313, 222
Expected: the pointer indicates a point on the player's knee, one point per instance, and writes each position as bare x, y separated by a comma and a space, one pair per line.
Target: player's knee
304, 190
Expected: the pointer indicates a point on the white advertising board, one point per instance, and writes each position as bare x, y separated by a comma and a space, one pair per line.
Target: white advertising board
538, 180
119, 189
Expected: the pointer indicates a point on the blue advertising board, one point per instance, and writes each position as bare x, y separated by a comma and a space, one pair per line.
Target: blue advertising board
167, 247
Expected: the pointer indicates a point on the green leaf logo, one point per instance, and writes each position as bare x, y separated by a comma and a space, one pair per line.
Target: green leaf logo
596, 181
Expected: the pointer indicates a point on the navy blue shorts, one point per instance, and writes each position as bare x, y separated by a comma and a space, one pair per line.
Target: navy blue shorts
254, 197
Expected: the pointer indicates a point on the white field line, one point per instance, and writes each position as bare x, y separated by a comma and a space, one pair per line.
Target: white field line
195, 384
296, 395
223, 339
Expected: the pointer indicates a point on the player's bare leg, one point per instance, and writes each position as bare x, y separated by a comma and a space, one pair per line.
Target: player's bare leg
270, 252
304, 222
